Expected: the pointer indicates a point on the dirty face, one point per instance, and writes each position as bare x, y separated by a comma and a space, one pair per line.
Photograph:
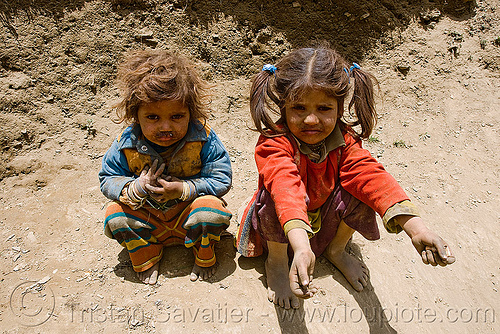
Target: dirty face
164, 122
312, 117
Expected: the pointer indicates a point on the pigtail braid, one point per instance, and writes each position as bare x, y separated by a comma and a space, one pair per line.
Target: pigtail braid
363, 101
260, 94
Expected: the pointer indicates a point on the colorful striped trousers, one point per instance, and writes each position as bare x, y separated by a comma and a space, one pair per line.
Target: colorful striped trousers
144, 232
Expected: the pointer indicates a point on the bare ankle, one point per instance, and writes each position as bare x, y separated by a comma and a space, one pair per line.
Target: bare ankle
277, 253
334, 250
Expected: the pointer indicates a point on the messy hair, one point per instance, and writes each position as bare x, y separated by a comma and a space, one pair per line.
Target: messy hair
147, 76
307, 69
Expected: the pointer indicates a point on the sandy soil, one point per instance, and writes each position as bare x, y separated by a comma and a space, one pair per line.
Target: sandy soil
438, 134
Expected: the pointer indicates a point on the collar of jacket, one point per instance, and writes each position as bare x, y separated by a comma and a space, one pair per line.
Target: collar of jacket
332, 142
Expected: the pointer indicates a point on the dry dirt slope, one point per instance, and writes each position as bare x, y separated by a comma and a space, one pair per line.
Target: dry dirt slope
437, 133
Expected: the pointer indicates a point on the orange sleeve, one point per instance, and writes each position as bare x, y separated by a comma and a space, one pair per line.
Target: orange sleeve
366, 179
279, 174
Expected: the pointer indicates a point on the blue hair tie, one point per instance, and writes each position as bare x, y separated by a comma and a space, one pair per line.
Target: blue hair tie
270, 68
354, 65
348, 71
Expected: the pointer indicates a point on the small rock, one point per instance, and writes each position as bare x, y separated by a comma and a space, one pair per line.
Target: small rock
435, 15
44, 280
151, 42
144, 34
429, 17
135, 323
296, 4
19, 80
10, 237
257, 48
25, 134
31, 237
403, 68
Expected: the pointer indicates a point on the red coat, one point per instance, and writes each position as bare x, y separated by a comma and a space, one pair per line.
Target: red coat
298, 185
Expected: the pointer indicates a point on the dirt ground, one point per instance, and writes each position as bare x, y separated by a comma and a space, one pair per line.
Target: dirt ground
438, 65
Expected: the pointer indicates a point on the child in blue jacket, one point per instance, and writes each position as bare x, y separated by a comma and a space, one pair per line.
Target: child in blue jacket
167, 171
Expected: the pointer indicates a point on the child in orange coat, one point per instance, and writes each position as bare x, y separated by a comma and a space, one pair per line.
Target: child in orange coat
317, 185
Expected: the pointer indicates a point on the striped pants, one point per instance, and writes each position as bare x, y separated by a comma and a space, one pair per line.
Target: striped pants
144, 232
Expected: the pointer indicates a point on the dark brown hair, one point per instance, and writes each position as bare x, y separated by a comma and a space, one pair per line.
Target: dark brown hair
154, 75
307, 69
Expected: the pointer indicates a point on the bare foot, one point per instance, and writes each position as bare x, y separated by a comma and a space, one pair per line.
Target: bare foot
149, 276
202, 273
354, 271
278, 284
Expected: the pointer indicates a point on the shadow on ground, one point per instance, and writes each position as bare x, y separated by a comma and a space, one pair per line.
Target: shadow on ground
177, 261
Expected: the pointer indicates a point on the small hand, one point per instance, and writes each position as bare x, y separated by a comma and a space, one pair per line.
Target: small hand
166, 189
148, 176
428, 244
433, 249
301, 274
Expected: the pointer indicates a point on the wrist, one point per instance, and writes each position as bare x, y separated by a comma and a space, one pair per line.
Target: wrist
412, 225
186, 191
132, 193
299, 240
139, 191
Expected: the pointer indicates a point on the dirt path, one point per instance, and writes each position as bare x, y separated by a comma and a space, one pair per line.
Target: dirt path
438, 134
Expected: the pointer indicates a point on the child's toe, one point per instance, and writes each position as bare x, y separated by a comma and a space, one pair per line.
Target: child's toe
271, 296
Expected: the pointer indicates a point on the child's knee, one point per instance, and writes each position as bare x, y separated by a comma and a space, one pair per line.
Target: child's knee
209, 210
119, 224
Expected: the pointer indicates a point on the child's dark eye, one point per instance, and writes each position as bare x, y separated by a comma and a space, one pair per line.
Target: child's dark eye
152, 117
298, 107
179, 116
324, 108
